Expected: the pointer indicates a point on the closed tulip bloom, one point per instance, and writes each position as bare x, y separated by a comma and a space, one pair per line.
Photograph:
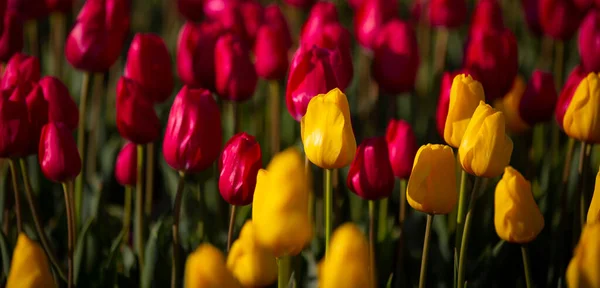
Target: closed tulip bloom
370, 18
64, 6
580, 121
136, 119
58, 155
270, 53
589, 32
485, 148
347, 261
396, 57
402, 147
444, 99
321, 14
126, 165
517, 217
582, 271
327, 132
509, 106
149, 64
253, 16
195, 53
61, 107
21, 69
206, 268
29, 267
465, 95
274, 18
98, 35
239, 163
566, 95
234, 72
14, 124
280, 205
539, 99
11, 39
531, 10
230, 17
560, 18
251, 263
487, 15
191, 10
193, 135
370, 175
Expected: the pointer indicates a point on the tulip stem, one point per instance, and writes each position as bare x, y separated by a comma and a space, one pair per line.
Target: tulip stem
328, 200
139, 210
58, 24
283, 273
70, 231
465, 237
583, 194
372, 240
149, 178
275, 115
13, 173
401, 217
311, 194
85, 90
423, 276
462, 203
127, 213
231, 226
526, 266
176, 214
558, 63
441, 45
38, 223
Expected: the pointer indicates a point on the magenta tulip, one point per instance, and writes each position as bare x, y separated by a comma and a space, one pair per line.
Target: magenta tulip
370, 175
402, 147
239, 164
539, 98
58, 155
136, 118
234, 72
589, 42
566, 95
126, 165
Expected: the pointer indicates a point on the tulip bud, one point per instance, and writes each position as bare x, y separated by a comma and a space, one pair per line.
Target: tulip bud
370, 175
136, 118
347, 261
559, 18
58, 155
279, 209
275, 19
370, 17
21, 69
149, 64
402, 147
580, 121
206, 267
465, 95
485, 148
126, 165
191, 9
312, 72
396, 57
14, 124
509, 106
230, 17
63, 6
326, 131
251, 263
234, 72
583, 267
239, 163
29, 266
566, 95
28, 9
270, 53
98, 35
516, 216
303, 4
195, 53
487, 15
321, 14
253, 17
61, 107
539, 99
193, 135
589, 31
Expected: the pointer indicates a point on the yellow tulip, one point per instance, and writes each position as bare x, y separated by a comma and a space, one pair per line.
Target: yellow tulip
581, 118
280, 205
432, 183
29, 266
252, 264
509, 105
206, 268
593, 215
347, 262
485, 149
327, 131
517, 217
465, 95
583, 268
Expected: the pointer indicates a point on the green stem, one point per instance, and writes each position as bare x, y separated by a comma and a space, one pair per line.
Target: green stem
382, 219
372, 240
275, 116
283, 271
71, 233
462, 203
57, 31
127, 213
328, 200
85, 90
13, 173
149, 178
423, 276
176, 215
583, 195
465, 239
231, 226
526, 267
139, 209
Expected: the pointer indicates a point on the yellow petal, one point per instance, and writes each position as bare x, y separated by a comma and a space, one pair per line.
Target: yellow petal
583, 268
29, 267
581, 118
465, 95
509, 105
593, 215
205, 268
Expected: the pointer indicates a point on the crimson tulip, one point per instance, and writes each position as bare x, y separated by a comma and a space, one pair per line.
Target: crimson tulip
253, 17
11, 40
370, 175
149, 64
402, 147
96, 40
58, 155
37, 111
28, 9
239, 164
126, 165
14, 124
355, 4
372, 16
487, 15
212, 8
270, 53
232, 21
539, 98
193, 135
275, 19
566, 95
64, 6
300, 3
589, 42
441, 13
21, 69
191, 9
531, 9
234, 71
136, 118
321, 14
559, 18
61, 107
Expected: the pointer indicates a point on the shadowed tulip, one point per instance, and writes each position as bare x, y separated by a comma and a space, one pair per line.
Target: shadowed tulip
275, 19
589, 42
206, 268
509, 105
559, 18
11, 40
61, 107
195, 54
370, 175
14, 124
270, 53
303, 4
126, 165
234, 72
465, 95
582, 271
487, 15
58, 155
539, 99
531, 9
239, 163
136, 119
63, 6
441, 13
253, 16
21, 69
402, 147
28, 9
581, 118
370, 18
29, 267
37, 111
191, 9
566, 95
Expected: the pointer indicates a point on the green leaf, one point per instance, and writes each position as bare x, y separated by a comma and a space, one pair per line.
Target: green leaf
6, 254
79, 252
151, 254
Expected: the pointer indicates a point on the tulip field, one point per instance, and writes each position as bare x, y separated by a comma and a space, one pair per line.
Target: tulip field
299, 143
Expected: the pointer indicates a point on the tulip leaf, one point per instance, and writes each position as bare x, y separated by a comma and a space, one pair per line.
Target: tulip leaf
79, 249
152, 255
6, 257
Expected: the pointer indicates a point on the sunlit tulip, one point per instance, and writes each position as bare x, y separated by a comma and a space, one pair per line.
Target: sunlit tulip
581, 118
560, 18
539, 99
327, 131
517, 217
347, 261
29, 267
509, 105
566, 95
206, 268
14, 124
195, 53
589, 31
270, 53
58, 155
443, 104
21, 69
234, 72
61, 107
402, 147
370, 175
280, 205
583, 268
432, 183
191, 9
275, 18
371, 17
136, 119
11, 39
238, 166
465, 95
251, 264
126, 165
485, 148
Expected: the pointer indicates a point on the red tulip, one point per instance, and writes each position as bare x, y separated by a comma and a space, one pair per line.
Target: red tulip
238, 166
136, 118
531, 9
234, 71
372, 16
58, 155
559, 18
253, 17
321, 14
126, 165
539, 98
441, 13
28, 9
402, 147
195, 54
396, 57
270, 53
98, 35
370, 175
191, 9
149, 64
61, 107
11, 40
566, 95
21, 69
232, 21
37, 111
14, 124
355, 4
312, 72
212, 8
64, 6
300, 3
589, 42
487, 15
193, 135
3, 7
275, 19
